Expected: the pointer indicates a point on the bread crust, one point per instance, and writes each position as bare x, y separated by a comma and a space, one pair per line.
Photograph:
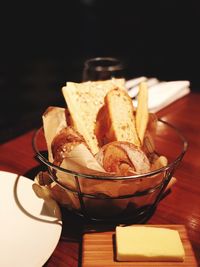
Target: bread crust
123, 158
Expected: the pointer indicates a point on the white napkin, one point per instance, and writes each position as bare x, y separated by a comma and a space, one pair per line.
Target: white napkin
161, 94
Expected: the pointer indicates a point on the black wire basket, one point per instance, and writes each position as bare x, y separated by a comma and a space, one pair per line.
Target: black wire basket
116, 199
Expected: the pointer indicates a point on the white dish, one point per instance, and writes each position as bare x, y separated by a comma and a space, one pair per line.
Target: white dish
30, 227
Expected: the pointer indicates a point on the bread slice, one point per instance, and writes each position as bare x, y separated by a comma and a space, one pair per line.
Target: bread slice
84, 100
142, 113
121, 115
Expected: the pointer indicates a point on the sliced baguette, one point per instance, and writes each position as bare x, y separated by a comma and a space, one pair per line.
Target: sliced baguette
121, 115
84, 100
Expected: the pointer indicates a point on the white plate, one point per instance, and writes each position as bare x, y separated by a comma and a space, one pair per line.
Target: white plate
30, 227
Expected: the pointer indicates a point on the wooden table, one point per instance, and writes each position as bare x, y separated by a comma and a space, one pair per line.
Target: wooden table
181, 206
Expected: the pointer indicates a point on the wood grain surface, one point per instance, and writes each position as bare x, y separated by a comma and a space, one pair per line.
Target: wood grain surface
180, 206
99, 249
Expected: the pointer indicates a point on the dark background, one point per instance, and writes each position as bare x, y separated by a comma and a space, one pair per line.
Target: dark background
44, 45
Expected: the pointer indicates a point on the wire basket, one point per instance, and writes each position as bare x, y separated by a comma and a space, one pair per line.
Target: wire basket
117, 199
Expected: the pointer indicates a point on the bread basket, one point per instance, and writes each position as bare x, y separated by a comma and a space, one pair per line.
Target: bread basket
117, 199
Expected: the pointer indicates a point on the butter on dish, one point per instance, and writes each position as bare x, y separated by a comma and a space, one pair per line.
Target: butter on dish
145, 243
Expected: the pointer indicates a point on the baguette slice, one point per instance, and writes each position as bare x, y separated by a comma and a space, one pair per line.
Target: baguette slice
84, 100
121, 115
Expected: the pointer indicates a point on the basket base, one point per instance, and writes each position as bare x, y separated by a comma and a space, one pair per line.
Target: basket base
139, 217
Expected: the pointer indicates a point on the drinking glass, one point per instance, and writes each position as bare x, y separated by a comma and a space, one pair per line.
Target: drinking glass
102, 68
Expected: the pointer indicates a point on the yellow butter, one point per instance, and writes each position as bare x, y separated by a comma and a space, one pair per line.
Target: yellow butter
142, 243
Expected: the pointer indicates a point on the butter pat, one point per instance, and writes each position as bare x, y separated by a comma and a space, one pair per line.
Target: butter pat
146, 243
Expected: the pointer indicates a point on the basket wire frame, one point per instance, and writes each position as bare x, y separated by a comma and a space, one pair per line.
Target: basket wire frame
140, 215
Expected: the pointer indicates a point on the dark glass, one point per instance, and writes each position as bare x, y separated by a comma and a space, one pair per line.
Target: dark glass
102, 68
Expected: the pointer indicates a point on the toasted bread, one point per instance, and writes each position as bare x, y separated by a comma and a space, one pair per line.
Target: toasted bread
121, 117
84, 100
123, 158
